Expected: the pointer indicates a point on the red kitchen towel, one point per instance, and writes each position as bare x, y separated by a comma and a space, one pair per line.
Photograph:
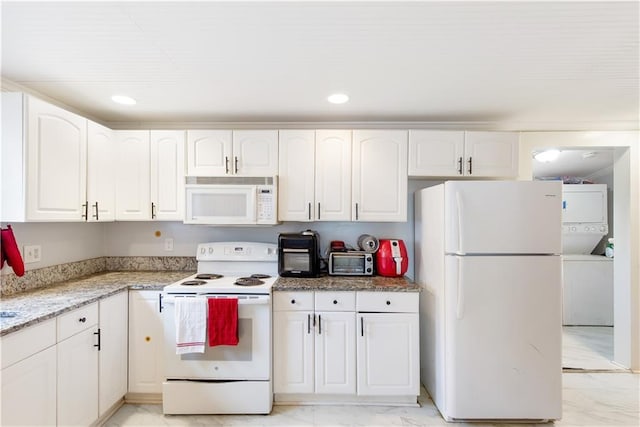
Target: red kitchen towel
223, 321
10, 251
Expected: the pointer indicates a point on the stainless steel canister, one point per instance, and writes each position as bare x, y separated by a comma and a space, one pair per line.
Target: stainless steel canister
368, 243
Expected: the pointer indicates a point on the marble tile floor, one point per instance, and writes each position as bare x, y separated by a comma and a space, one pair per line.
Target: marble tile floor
589, 399
588, 348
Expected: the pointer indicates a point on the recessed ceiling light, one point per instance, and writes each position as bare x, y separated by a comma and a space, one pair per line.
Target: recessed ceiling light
338, 98
547, 156
123, 99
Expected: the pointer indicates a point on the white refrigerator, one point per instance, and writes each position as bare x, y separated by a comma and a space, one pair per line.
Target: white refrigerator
487, 260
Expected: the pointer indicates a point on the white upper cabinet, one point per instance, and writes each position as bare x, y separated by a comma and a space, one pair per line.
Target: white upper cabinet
167, 175
379, 175
255, 152
459, 153
44, 161
491, 154
57, 163
333, 175
150, 181
209, 152
296, 175
436, 153
133, 181
225, 152
101, 173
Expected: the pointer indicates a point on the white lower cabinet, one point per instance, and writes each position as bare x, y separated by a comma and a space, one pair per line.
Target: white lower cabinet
314, 348
28, 376
360, 345
388, 344
145, 342
113, 351
78, 337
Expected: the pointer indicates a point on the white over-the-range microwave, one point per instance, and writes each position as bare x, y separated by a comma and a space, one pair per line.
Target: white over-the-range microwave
231, 200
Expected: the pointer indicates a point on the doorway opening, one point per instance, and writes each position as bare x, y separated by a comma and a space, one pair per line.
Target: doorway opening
589, 225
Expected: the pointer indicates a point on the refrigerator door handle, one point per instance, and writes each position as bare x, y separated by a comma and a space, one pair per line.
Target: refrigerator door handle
460, 296
460, 213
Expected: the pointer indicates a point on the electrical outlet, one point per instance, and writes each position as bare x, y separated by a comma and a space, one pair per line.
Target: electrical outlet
32, 253
168, 244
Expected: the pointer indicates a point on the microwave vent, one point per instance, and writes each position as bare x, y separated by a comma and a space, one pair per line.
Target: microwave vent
231, 180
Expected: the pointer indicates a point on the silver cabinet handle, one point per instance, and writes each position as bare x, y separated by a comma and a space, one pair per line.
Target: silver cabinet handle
236, 164
356, 211
318, 210
362, 326
470, 165
99, 336
226, 164
460, 165
319, 325
308, 323
309, 211
153, 210
85, 208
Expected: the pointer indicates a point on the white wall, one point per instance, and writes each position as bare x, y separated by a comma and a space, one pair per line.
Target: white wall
626, 224
140, 238
60, 242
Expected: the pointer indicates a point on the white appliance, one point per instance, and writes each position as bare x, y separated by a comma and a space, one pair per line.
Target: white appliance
587, 284
231, 200
224, 379
584, 217
490, 310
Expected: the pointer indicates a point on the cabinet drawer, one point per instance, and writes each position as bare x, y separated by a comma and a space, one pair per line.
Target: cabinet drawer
293, 301
387, 302
335, 301
22, 344
77, 320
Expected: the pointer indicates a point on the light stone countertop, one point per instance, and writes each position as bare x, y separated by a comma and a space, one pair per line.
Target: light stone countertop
41, 304
346, 283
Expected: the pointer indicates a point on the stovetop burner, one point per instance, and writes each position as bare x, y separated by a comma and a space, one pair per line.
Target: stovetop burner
193, 283
248, 281
209, 276
259, 276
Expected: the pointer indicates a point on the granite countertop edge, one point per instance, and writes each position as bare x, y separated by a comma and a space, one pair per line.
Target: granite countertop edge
46, 303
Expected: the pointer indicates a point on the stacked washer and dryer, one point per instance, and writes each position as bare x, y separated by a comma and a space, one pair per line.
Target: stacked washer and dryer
587, 278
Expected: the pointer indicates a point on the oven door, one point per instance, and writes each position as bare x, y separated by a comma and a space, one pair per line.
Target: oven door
249, 360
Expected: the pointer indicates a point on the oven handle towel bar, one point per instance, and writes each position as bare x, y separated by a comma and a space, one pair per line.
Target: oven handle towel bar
242, 299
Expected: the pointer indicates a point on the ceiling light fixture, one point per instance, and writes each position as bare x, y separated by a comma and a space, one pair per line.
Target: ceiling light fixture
123, 99
547, 156
338, 98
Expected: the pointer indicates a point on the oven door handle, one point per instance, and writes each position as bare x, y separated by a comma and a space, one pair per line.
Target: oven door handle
242, 300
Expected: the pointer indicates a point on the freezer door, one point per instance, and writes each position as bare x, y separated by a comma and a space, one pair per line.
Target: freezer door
503, 217
503, 327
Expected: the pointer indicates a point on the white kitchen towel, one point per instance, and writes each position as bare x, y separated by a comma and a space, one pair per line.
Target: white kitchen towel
191, 324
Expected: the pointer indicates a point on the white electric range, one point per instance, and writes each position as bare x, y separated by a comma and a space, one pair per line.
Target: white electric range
224, 379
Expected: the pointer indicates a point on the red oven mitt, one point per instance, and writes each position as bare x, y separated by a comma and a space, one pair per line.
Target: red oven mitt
10, 251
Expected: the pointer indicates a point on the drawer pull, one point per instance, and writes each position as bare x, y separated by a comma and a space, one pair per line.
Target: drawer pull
82, 319
335, 302
388, 302
293, 301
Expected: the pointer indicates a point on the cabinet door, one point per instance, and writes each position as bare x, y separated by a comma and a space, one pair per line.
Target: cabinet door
492, 154
388, 355
113, 350
296, 175
379, 191
145, 342
335, 349
209, 152
133, 177
436, 153
333, 175
57, 163
255, 152
101, 173
293, 335
29, 391
167, 175
78, 379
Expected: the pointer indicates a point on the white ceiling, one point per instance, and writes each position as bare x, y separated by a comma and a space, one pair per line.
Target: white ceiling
575, 163
516, 65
